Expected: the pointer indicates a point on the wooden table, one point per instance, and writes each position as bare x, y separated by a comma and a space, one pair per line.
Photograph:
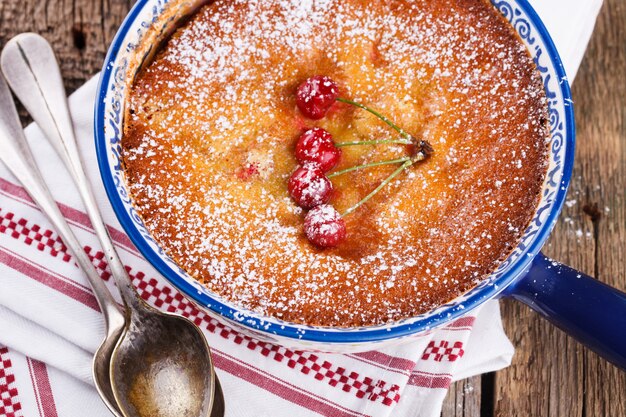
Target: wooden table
551, 374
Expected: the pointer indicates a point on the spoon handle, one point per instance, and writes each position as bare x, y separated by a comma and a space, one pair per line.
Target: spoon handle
16, 155
31, 69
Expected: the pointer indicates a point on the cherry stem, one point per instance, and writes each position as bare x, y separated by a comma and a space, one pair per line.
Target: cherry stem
373, 142
371, 164
394, 174
380, 116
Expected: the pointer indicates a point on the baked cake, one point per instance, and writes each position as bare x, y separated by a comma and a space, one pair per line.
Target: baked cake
212, 123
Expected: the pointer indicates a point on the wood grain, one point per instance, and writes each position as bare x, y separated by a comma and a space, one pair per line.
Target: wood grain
79, 30
551, 375
463, 399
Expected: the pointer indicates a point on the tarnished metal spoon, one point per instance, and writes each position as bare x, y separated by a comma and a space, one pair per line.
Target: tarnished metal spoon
161, 366
219, 407
16, 155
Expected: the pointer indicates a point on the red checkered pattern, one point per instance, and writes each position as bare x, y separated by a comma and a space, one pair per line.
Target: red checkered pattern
99, 261
45, 240
165, 297
366, 387
305, 362
9, 403
443, 349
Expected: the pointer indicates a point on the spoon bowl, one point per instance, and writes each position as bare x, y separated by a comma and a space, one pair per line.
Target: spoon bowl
219, 407
156, 371
101, 367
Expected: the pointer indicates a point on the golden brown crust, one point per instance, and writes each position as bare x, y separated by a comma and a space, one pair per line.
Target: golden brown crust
220, 99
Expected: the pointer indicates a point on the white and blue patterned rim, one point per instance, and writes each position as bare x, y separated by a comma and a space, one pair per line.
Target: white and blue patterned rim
108, 127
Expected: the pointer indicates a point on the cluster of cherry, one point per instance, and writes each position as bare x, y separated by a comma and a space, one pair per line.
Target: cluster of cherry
316, 151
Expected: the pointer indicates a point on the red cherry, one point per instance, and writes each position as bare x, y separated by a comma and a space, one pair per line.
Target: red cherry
309, 187
247, 171
324, 226
316, 95
316, 145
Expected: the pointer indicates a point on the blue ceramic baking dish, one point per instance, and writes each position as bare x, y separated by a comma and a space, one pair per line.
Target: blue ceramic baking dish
587, 309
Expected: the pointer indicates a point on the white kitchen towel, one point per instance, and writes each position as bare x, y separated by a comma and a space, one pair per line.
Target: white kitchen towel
570, 24
50, 323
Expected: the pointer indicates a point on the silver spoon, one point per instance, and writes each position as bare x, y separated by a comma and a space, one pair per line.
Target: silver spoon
16, 155
161, 366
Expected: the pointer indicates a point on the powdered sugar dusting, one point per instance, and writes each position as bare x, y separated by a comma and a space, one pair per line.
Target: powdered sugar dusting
210, 136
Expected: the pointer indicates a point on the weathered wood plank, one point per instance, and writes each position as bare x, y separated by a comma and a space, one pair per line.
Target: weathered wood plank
551, 374
463, 398
602, 106
79, 30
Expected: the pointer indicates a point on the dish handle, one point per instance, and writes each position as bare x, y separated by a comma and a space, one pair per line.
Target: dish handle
585, 308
